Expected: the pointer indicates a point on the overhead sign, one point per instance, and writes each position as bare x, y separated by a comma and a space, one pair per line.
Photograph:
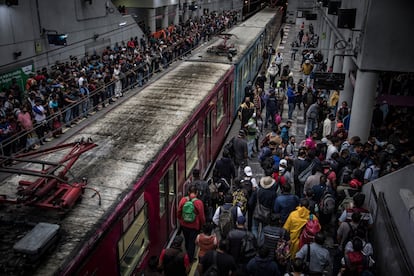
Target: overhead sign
330, 81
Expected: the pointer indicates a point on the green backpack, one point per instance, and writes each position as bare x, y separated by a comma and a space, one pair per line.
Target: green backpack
188, 212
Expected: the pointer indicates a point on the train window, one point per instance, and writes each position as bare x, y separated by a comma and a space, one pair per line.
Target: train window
163, 183
191, 155
133, 244
220, 107
167, 184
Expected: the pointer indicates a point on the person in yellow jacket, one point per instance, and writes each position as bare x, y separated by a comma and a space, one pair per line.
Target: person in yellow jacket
333, 101
295, 223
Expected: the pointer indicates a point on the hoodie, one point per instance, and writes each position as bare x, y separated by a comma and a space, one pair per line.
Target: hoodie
262, 266
294, 224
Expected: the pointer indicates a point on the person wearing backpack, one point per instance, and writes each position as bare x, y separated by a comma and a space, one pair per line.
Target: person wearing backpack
224, 168
358, 202
318, 256
217, 262
356, 262
226, 215
173, 261
275, 238
203, 193
345, 233
191, 216
262, 200
263, 264
285, 203
242, 243
295, 223
324, 196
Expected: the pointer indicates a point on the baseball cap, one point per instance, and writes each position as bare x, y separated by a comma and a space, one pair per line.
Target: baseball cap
283, 162
324, 140
248, 171
241, 220
339, 125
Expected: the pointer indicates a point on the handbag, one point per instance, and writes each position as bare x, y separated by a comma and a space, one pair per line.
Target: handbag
306, 172
261, 213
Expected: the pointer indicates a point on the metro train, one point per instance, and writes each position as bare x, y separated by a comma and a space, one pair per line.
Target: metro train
249, 38
142, 154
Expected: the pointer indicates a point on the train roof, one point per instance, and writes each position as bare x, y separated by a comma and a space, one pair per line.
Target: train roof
242, 37
129, 138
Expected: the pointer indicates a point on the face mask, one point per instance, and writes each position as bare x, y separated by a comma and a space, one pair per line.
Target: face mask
281, 170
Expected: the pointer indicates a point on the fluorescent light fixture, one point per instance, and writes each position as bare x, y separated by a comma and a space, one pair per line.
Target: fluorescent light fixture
122, 23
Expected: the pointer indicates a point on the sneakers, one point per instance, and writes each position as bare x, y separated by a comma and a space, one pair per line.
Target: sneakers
48, 139
35, 147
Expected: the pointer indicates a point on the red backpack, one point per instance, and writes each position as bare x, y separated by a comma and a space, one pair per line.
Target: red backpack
311, 228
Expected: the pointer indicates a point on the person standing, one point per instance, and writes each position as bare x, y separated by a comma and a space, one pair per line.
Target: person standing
226, 265
279, 62
291, 96
240, 151
203, 192
295, 222
245, 112
206, 240
252, 131
328, 125
262, 264
312, 118
273, 72
40, 118
264, 195
174, 261
191, 226
319, 257
271, 108
224, 168
306, 69
235, 238
272, 233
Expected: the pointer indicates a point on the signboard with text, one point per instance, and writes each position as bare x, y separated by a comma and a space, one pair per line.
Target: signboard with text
21, 74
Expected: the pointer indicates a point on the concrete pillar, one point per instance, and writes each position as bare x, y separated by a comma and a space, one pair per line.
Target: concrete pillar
362, 104
338, 62
177, 15
186, 12
348, 92
151, 19
165, 18
331, 49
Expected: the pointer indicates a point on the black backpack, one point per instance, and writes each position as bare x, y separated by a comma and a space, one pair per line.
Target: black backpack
213, 269
247, 248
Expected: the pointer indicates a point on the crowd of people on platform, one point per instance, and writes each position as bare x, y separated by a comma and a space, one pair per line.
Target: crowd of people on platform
68, 91
311, 191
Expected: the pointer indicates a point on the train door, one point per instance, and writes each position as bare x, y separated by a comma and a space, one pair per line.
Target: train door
207, 139
168, 200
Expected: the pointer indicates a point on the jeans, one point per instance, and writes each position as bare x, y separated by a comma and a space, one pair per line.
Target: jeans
270, 115
68, 116
85, 106
250, 144
306, 79
190, 236
290, 110
310, 126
